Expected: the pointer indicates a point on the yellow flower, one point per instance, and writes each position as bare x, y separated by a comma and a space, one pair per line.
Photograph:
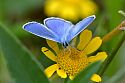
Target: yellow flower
70, 9
70, 61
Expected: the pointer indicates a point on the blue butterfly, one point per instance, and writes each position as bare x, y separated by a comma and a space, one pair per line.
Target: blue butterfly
58, 29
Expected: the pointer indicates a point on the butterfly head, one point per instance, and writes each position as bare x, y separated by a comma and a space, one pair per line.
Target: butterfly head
65, 44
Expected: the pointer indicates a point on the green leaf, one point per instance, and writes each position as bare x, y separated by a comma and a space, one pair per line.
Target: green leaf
20, 6
21, 65
117, 64
86, 74
112, 8
116, 78
4, 73
18, 9
113, 20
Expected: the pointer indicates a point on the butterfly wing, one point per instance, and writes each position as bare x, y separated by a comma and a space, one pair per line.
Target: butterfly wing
74, 31
40, 30
59, 26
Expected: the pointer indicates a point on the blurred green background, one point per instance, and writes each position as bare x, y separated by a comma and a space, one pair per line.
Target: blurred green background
21, 59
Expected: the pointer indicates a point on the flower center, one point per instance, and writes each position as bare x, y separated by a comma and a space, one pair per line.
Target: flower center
71, 61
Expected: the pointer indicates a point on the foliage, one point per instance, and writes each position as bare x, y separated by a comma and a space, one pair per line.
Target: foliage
21, 65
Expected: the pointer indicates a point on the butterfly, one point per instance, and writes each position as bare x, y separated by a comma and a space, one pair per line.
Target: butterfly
58, 29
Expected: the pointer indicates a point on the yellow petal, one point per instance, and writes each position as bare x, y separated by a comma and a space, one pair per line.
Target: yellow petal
94, 44
96, 78
68, 12
61, 73
50, 70
88, 8
85, 37
53, 45
51, 7
48, 53
100, 56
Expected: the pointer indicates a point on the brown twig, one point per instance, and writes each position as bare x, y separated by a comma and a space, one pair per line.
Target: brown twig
114, 32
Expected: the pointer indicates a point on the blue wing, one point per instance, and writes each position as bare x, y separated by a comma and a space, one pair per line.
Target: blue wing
40, 30
74, 31
59, 26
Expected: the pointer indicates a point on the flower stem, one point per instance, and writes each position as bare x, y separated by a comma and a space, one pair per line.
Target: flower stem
116, 31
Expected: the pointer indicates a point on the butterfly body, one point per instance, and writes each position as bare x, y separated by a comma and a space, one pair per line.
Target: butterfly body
57, 29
